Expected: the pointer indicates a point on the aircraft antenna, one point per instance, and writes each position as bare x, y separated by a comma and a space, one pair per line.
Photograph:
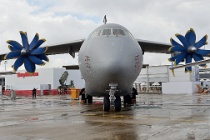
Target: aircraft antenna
105, 20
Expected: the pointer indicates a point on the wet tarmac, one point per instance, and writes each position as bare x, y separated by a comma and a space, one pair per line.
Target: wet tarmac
154, 117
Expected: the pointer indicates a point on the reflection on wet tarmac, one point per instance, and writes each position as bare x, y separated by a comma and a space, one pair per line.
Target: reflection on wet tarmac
58, 117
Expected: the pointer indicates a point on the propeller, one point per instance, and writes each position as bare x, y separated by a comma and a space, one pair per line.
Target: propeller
28, 54
188, 49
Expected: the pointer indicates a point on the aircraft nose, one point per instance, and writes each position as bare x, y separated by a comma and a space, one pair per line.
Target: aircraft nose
114, 69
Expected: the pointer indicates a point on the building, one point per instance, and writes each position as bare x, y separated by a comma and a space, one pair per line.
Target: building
45, 80
166, 82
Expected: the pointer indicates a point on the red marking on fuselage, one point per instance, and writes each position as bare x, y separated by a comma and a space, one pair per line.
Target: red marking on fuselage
137, 65
87, 59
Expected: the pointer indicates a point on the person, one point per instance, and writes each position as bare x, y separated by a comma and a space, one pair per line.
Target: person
134, 93
65, 90
34, 93
59, 90
82, 94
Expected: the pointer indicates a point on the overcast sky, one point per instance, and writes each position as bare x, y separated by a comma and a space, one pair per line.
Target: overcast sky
60, 21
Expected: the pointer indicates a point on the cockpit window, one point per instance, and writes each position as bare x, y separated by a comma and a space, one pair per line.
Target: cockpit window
106, 32
118, 32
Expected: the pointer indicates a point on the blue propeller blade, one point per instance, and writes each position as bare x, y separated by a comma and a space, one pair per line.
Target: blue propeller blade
12, 55
29, 66
43, 57
201, 42
177, 56
203, 52
39, 51
18, 63
36, 60
183, 40
172, 59
177, 48
174, 43
13, 49
188, 69
191, 37
203, 65
40, 42
197, 57
24, 39
180, 58
189, 60
15, 44
34, 42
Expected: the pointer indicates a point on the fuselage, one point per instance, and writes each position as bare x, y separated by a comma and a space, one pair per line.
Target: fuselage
110, 54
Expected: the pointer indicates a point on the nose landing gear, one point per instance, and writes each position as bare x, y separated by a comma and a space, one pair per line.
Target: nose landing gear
112, 99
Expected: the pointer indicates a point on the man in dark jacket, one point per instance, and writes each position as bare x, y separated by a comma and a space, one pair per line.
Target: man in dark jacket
34, 93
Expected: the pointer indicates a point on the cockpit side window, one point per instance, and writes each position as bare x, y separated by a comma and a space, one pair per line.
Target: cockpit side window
130, 35
96, 33
118, 32
106, 32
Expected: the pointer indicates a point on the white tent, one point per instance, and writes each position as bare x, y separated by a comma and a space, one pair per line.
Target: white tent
202, 80
143, 84
155, 84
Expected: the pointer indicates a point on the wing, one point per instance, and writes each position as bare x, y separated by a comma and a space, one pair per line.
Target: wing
74, 46
71, 67
71, 48
7, 72
153, 47
2, 57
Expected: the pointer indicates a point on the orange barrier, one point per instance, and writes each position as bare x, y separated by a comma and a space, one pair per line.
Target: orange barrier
74, 93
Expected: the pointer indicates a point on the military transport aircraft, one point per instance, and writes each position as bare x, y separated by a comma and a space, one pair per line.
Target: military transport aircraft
110, 59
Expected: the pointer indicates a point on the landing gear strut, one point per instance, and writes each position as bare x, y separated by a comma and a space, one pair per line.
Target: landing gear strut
112, 99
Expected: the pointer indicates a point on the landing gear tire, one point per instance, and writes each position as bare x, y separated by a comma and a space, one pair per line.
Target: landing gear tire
90, 99
106, 106
117, 104
127, 100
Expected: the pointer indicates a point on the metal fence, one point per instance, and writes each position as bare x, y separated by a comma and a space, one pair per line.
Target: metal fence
151, 78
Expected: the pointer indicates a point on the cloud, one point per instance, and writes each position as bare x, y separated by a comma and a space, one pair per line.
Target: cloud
65, 21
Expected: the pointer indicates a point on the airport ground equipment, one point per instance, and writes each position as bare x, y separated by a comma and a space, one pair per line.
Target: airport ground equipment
62, 80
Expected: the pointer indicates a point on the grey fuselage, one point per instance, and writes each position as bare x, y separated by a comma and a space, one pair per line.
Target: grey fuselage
110, 54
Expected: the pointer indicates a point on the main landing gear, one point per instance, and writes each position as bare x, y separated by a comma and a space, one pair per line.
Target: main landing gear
111, 99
